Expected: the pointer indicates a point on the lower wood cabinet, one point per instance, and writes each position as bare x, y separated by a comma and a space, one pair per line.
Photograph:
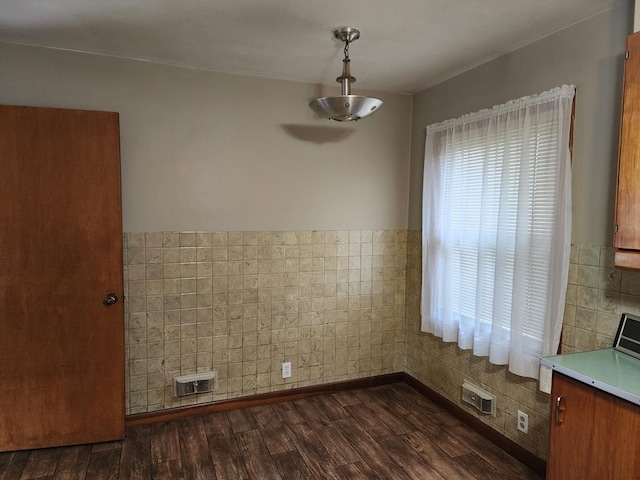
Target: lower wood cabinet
594, 435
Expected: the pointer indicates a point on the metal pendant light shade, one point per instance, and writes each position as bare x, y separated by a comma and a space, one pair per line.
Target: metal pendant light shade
345, 107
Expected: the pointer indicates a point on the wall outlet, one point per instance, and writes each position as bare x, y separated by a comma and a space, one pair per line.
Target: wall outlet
286, 369
523, 422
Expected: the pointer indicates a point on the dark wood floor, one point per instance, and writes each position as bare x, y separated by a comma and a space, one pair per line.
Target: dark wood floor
389, 432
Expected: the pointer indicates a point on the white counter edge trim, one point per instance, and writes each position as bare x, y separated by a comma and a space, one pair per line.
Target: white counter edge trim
605, 387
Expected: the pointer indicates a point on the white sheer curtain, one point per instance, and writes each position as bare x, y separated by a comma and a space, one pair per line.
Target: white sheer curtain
497, 230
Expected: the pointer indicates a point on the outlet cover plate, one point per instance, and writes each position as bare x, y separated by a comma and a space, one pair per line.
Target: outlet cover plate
523, 422
286, 369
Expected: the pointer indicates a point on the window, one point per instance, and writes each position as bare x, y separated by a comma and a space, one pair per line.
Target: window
496, 229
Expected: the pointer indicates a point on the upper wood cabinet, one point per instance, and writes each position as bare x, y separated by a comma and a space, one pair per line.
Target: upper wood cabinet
627, 224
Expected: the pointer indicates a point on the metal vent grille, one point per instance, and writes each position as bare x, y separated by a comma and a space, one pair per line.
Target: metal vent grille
191, 384
480, 399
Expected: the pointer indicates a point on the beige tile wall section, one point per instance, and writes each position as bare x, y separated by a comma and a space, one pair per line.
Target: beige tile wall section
597, 294
338, 305
241, 303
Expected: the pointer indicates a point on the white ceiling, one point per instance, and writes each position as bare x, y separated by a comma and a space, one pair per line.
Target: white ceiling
405, 46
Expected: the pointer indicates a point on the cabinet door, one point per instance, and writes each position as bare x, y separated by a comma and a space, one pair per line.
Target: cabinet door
616, 450
595, 435
570, 442
628, 196
61, 347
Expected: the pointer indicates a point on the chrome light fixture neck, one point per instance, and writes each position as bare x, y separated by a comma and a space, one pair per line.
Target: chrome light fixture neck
345, 107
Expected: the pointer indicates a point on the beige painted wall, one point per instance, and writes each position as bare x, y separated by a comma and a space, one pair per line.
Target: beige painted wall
210, 151
590, 55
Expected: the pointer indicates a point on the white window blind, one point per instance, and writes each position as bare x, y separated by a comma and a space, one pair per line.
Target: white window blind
496, 222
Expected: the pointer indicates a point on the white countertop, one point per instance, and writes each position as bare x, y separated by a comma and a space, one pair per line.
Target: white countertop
608, 370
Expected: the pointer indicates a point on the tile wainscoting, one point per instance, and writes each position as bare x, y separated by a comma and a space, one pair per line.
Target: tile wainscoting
338, 305
241, 303
596, 295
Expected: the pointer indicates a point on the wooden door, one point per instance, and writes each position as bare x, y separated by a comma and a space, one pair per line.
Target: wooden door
61, 347
570, 441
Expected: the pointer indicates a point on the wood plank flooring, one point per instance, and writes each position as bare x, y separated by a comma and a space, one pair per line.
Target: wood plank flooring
389, 432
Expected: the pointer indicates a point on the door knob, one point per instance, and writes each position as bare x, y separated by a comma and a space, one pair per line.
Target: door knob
110, 299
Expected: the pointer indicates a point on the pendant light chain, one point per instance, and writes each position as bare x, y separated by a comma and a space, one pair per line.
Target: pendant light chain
346, 50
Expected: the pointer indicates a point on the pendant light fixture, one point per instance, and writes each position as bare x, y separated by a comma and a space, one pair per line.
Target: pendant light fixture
345, 107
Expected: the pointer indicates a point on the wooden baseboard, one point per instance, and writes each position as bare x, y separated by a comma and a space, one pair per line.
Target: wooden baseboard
262, 399
524, 456
512, 448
